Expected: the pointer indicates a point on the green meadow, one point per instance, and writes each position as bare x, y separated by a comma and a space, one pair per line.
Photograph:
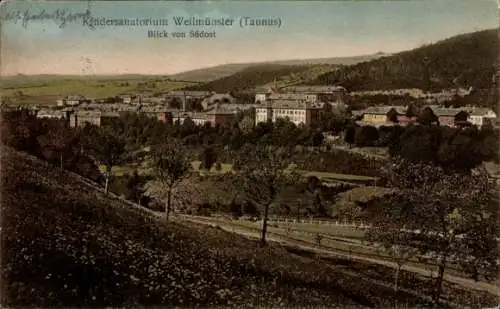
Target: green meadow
45, 90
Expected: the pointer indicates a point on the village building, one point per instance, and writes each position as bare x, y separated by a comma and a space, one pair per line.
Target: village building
184, 97
220, 117
152, 100
50, 114
382, 115
126, 99
73, 100
405, 120
310, 98
298, 112
109, 117
451, 116
215, 117
235, 108
188, 94
356, 114
217, 99
328, 94
167, 115
124, 108
334, 95
152, 111
261, 95
481, 116
199, 119
81, 118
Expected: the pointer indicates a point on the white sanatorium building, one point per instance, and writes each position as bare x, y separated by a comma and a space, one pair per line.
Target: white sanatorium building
298, 112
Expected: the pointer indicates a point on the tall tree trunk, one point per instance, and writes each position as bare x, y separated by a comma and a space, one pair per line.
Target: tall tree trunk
396, 279
167, 210
439, 279
298, 211
444, 255
108, 174
264, 226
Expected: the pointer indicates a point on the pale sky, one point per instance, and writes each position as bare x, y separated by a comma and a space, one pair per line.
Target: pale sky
308, 30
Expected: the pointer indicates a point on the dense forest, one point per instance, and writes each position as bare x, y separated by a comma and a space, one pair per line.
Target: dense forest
461, 61
250, 78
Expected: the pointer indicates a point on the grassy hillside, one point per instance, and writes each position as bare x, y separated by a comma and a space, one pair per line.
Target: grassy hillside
221, 71
65, 243
299, 78
464, 60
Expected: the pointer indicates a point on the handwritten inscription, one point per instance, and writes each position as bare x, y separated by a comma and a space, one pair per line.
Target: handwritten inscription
59, 16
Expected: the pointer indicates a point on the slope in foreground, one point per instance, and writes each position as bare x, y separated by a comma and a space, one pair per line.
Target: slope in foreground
65, 243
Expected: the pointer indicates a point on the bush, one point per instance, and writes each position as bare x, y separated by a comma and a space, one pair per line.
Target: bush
204, 209
339, 161
235, 210
218, 166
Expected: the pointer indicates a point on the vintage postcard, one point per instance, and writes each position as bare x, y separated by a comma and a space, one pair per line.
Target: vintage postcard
249, 154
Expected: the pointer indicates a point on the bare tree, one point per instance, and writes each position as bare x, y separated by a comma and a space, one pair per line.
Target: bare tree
171, 166
57, 138
399, 252
189, 193
109, 149
264, 172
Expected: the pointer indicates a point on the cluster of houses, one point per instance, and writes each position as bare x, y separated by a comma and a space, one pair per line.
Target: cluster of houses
441, 96
391, 115
302, 105
215, 108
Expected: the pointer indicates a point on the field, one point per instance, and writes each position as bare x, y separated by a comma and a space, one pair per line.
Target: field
326, 177
376, 151
225, 168
46, 90
121, 170
362, 194
343, 240
66, 243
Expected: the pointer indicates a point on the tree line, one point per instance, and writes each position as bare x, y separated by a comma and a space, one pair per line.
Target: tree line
50, 140
457, 148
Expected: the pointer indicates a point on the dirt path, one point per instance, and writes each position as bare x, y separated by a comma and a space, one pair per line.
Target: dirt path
468, 283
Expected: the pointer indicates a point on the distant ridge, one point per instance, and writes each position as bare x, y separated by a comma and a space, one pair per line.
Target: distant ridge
198, 75
465, 60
